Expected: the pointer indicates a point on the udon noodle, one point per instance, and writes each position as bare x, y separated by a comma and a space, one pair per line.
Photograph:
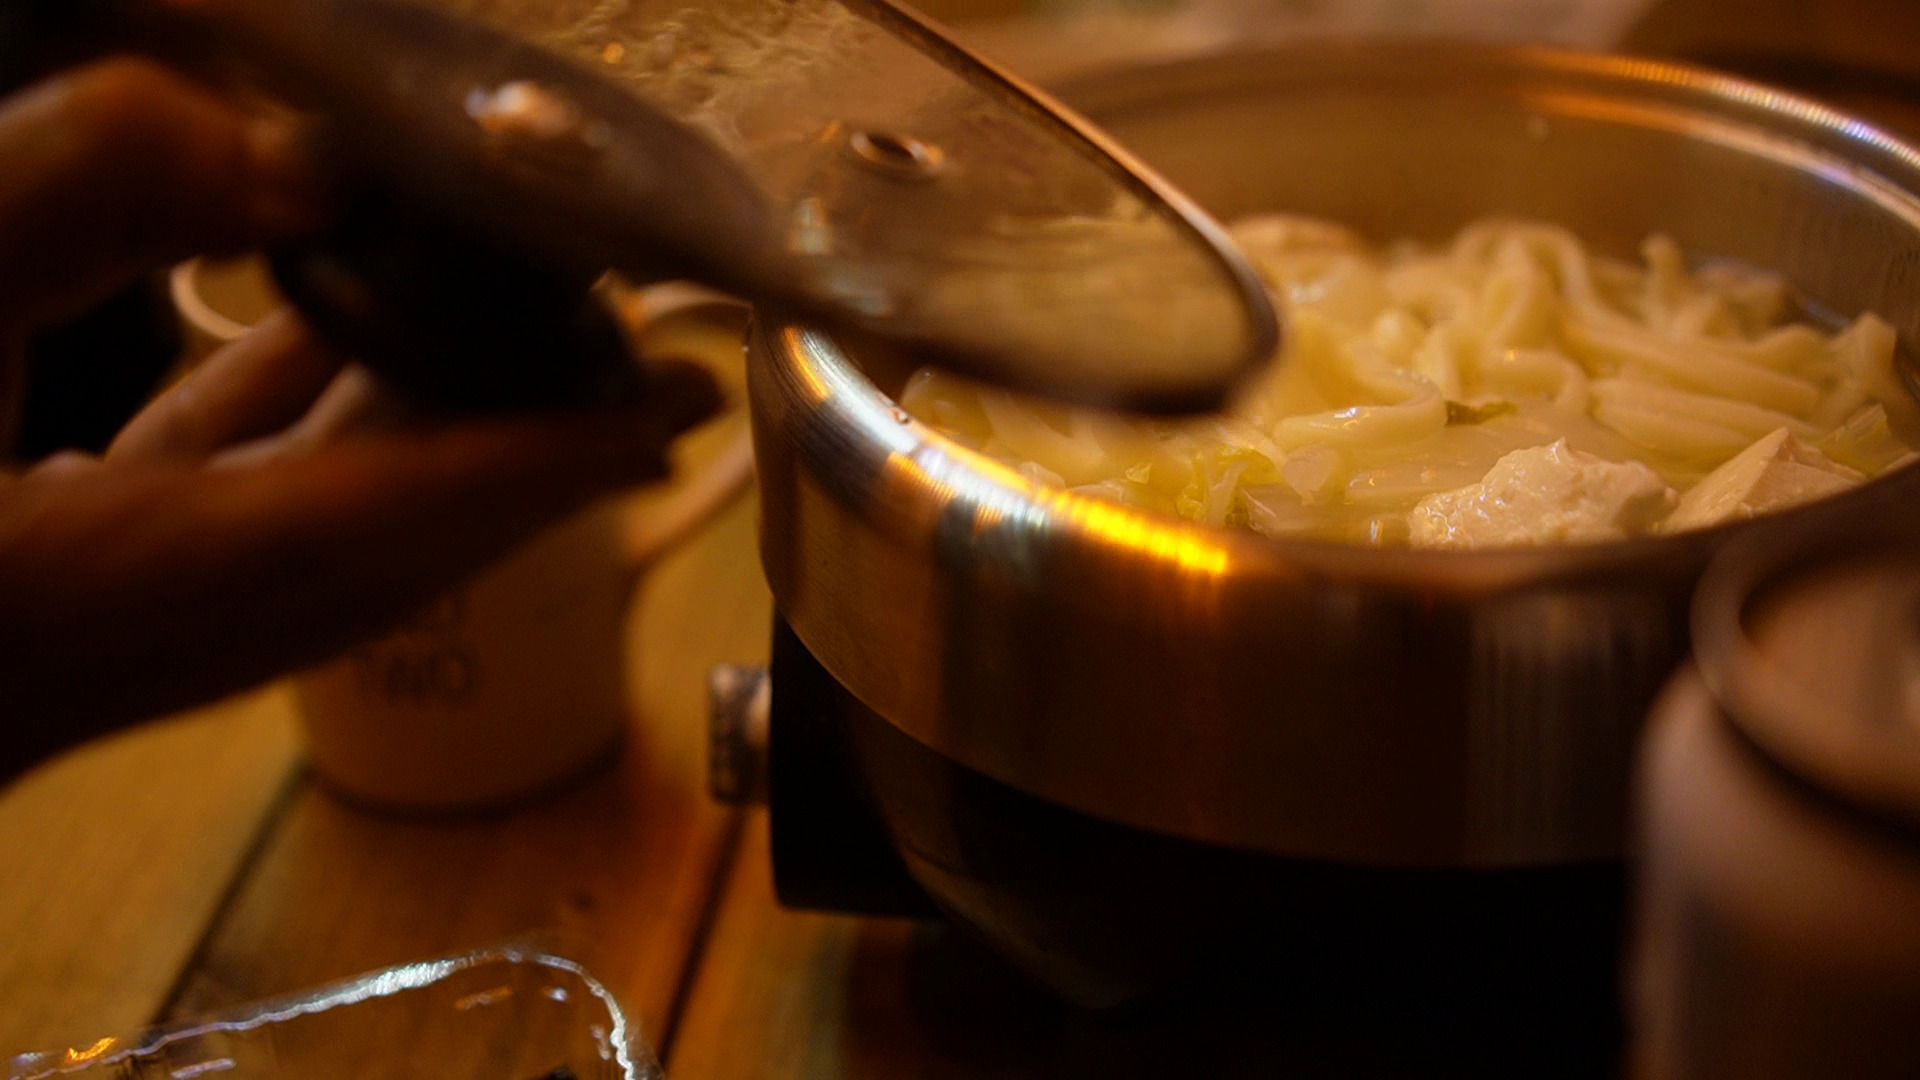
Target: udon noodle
1508, 388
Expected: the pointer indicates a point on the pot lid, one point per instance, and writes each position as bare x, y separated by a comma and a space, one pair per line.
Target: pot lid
841, 159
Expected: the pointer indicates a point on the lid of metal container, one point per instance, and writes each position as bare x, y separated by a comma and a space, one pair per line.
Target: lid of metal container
840, 158
1813, 650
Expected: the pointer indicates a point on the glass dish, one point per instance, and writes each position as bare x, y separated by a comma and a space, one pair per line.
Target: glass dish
503, 1013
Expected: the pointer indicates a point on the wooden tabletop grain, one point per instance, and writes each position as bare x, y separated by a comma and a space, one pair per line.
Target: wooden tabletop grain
192, 863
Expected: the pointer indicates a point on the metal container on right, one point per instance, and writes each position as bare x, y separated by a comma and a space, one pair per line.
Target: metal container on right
1778, 928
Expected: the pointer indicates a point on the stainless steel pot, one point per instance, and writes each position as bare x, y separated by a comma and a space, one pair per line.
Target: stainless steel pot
1308, 699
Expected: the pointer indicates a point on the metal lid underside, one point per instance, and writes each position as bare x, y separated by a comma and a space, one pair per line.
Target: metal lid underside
836, 158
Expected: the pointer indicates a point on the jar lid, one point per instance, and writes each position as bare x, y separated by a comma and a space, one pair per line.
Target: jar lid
1810, 641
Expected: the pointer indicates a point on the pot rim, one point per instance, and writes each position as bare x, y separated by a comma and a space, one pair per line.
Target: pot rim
1819, 125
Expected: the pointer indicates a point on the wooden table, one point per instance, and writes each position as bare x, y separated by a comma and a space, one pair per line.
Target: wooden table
192, 864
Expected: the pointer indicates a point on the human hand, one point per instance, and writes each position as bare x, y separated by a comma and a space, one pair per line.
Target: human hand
254, 518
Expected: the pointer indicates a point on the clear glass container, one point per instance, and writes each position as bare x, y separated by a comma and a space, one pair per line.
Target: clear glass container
504, 1013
